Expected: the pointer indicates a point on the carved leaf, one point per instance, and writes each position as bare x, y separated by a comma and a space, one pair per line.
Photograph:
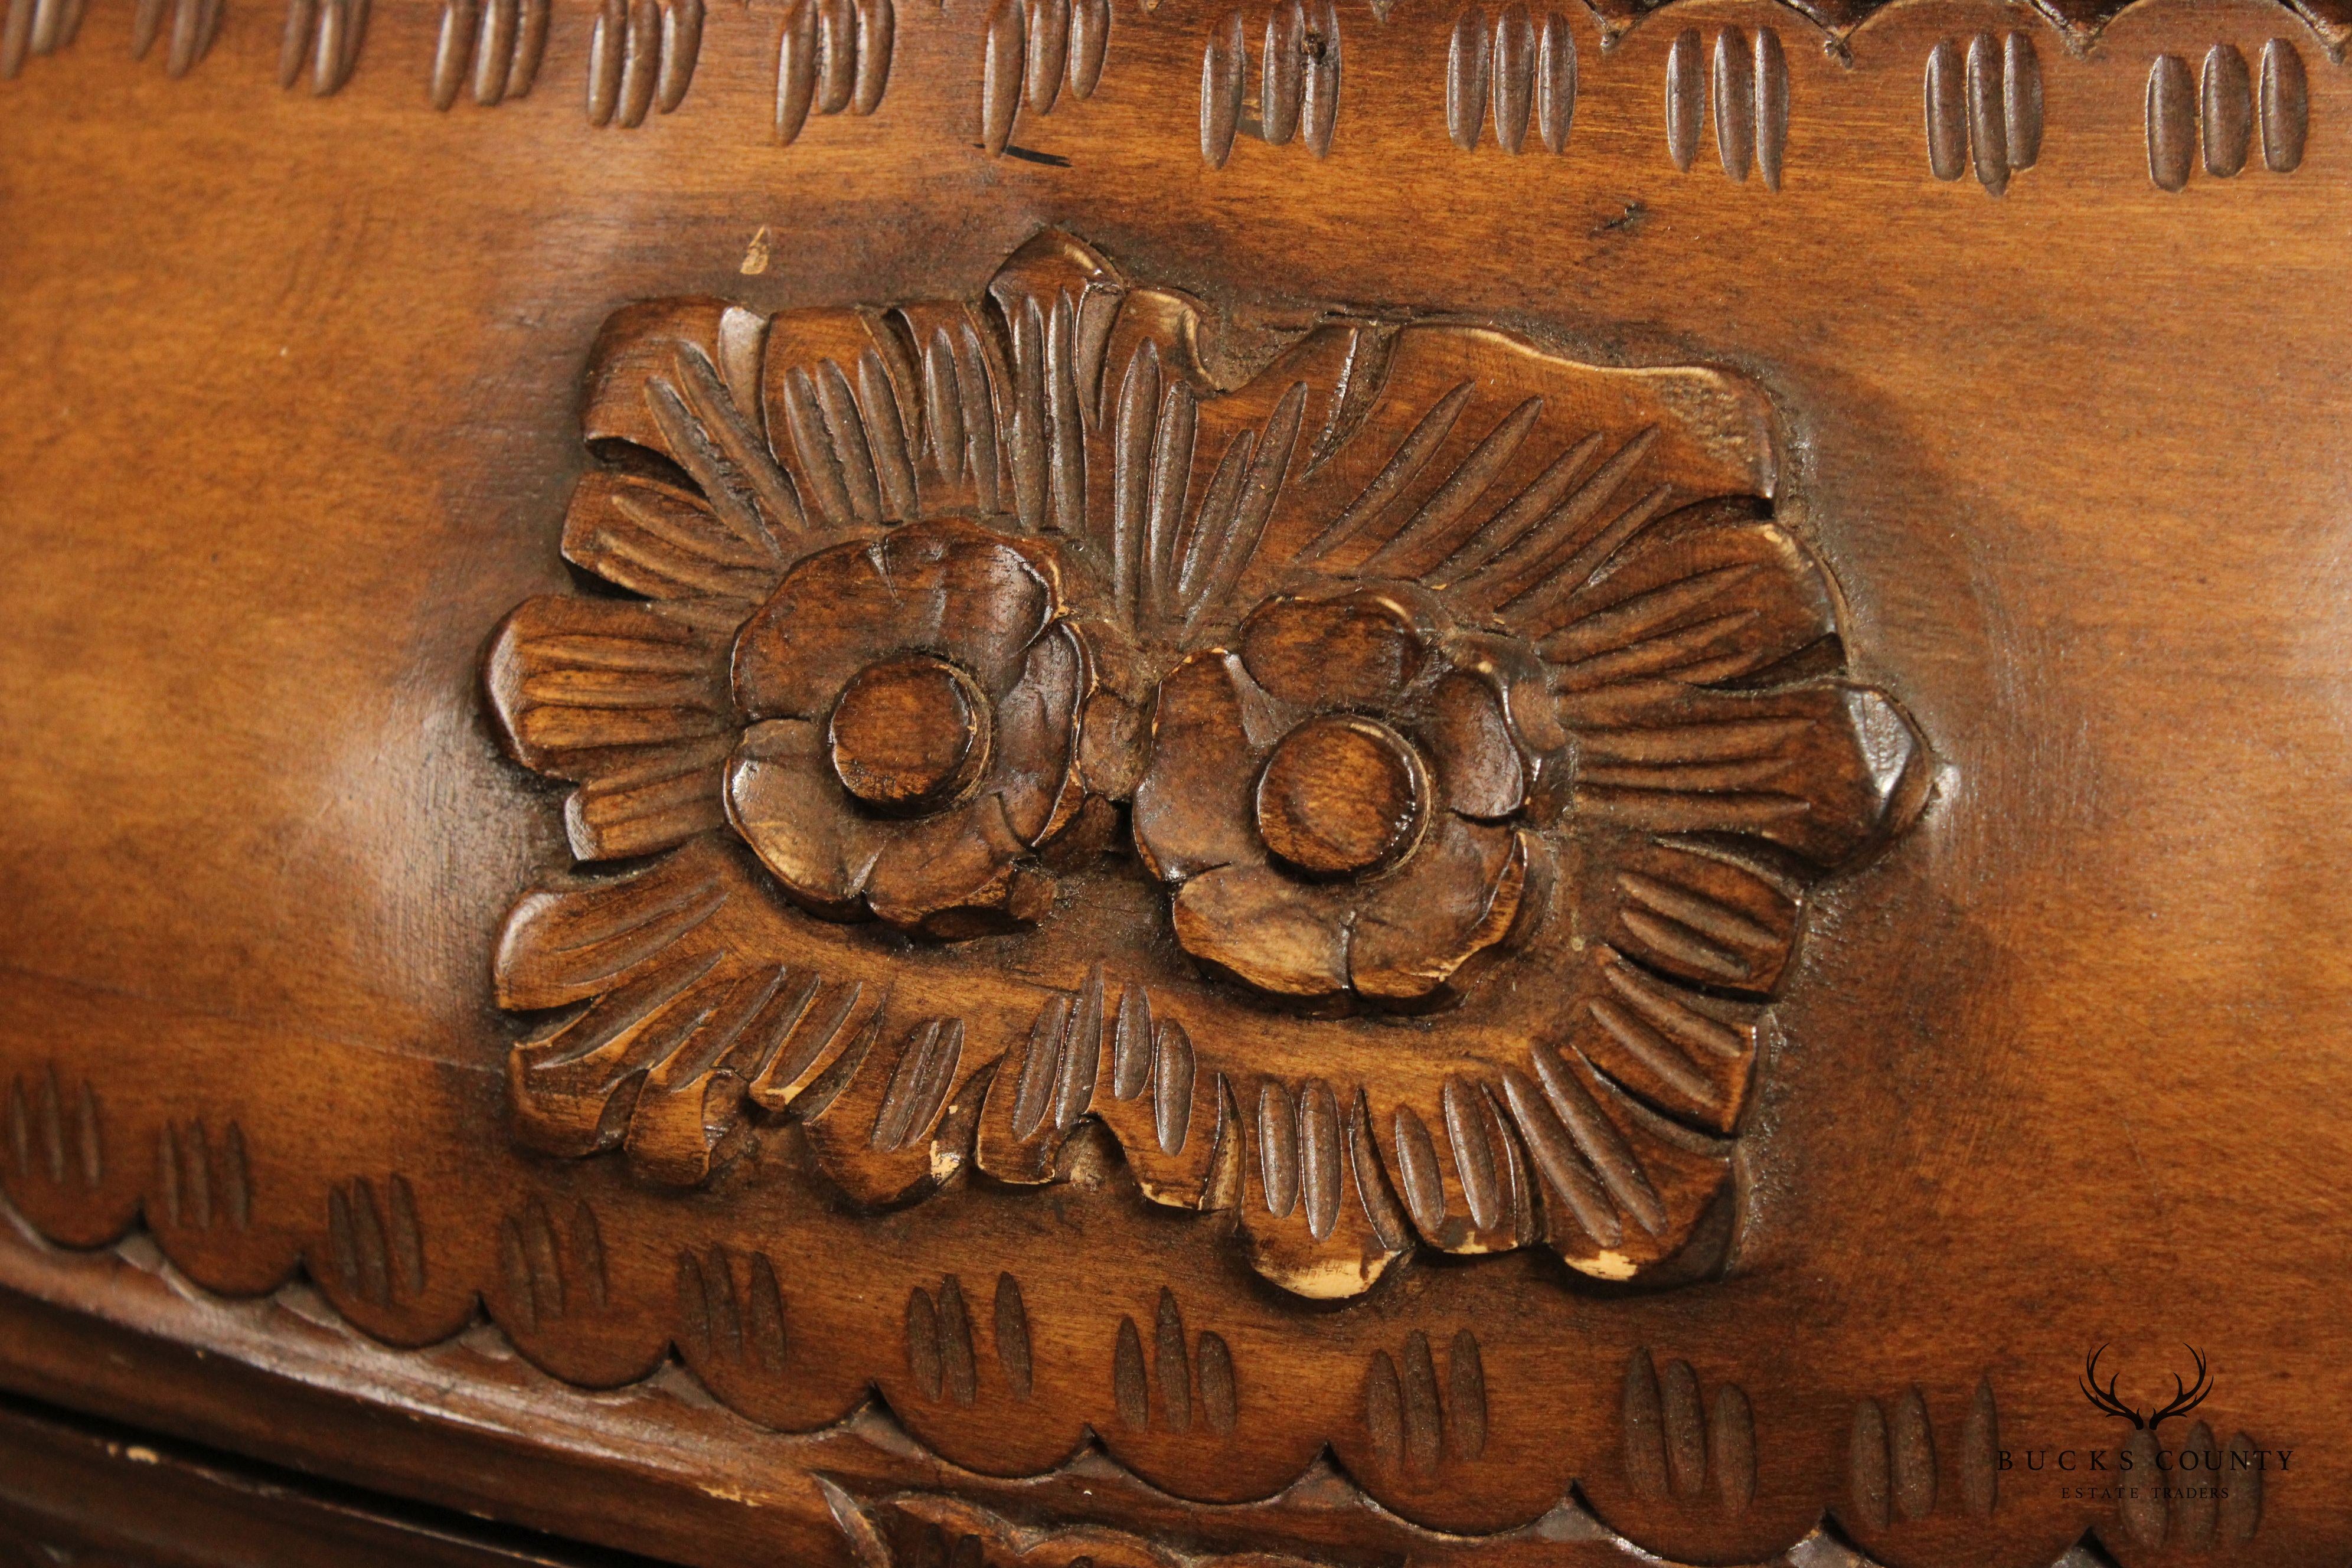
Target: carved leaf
680, 378
1821, 770
1421, 652
663, 542
1477, 462
1624, 1188
844, 411
1316, 1206
1705, 596
689, 1028
628, 700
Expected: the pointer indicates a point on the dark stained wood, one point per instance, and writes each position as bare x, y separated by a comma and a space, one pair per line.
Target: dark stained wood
76, 1493
1051, 780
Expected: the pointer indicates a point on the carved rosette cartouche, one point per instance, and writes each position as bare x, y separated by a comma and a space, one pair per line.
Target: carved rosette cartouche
1379, 786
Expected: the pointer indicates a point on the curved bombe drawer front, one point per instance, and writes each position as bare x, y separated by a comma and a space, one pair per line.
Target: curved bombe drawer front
1065, 781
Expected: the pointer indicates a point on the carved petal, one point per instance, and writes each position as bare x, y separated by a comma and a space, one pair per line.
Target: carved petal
1273, 933
1458, 895
641, 343
959, 874
1051, 266
945, 588
784, 799
1192, 808
1359, 649
1032, 770
819, 1025
833, 614
1476, 759
1823, 769
1238, 461
1167, 327
685, 1029
970, 596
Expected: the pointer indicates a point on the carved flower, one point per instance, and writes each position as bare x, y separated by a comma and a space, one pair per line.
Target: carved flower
1456, 654
910, 702
1337, 796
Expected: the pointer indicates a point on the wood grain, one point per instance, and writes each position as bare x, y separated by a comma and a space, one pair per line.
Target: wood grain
1843, 632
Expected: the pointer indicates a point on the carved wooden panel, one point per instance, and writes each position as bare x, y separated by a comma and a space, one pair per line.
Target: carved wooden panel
1055, 780
1379, 794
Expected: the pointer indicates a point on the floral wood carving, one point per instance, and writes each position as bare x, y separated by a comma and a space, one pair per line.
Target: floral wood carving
1380, 789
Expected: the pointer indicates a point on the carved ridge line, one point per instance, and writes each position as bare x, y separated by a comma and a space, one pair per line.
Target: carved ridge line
1414, 1424
725, 1321
1193, 1379
1529, 71
326, 34
1299, 73
1676, 1443
199, 1183
1031, 49
1986, 113
641, 56
1745, 86
836, 55
46, 1138
37, 28
2216, 112
1892, 1468
499, 45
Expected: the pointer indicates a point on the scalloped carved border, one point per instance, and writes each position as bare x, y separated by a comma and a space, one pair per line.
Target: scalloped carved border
1671, 1452
867, 1476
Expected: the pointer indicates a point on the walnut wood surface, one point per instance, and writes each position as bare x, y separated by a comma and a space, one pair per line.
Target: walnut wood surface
1519, 777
